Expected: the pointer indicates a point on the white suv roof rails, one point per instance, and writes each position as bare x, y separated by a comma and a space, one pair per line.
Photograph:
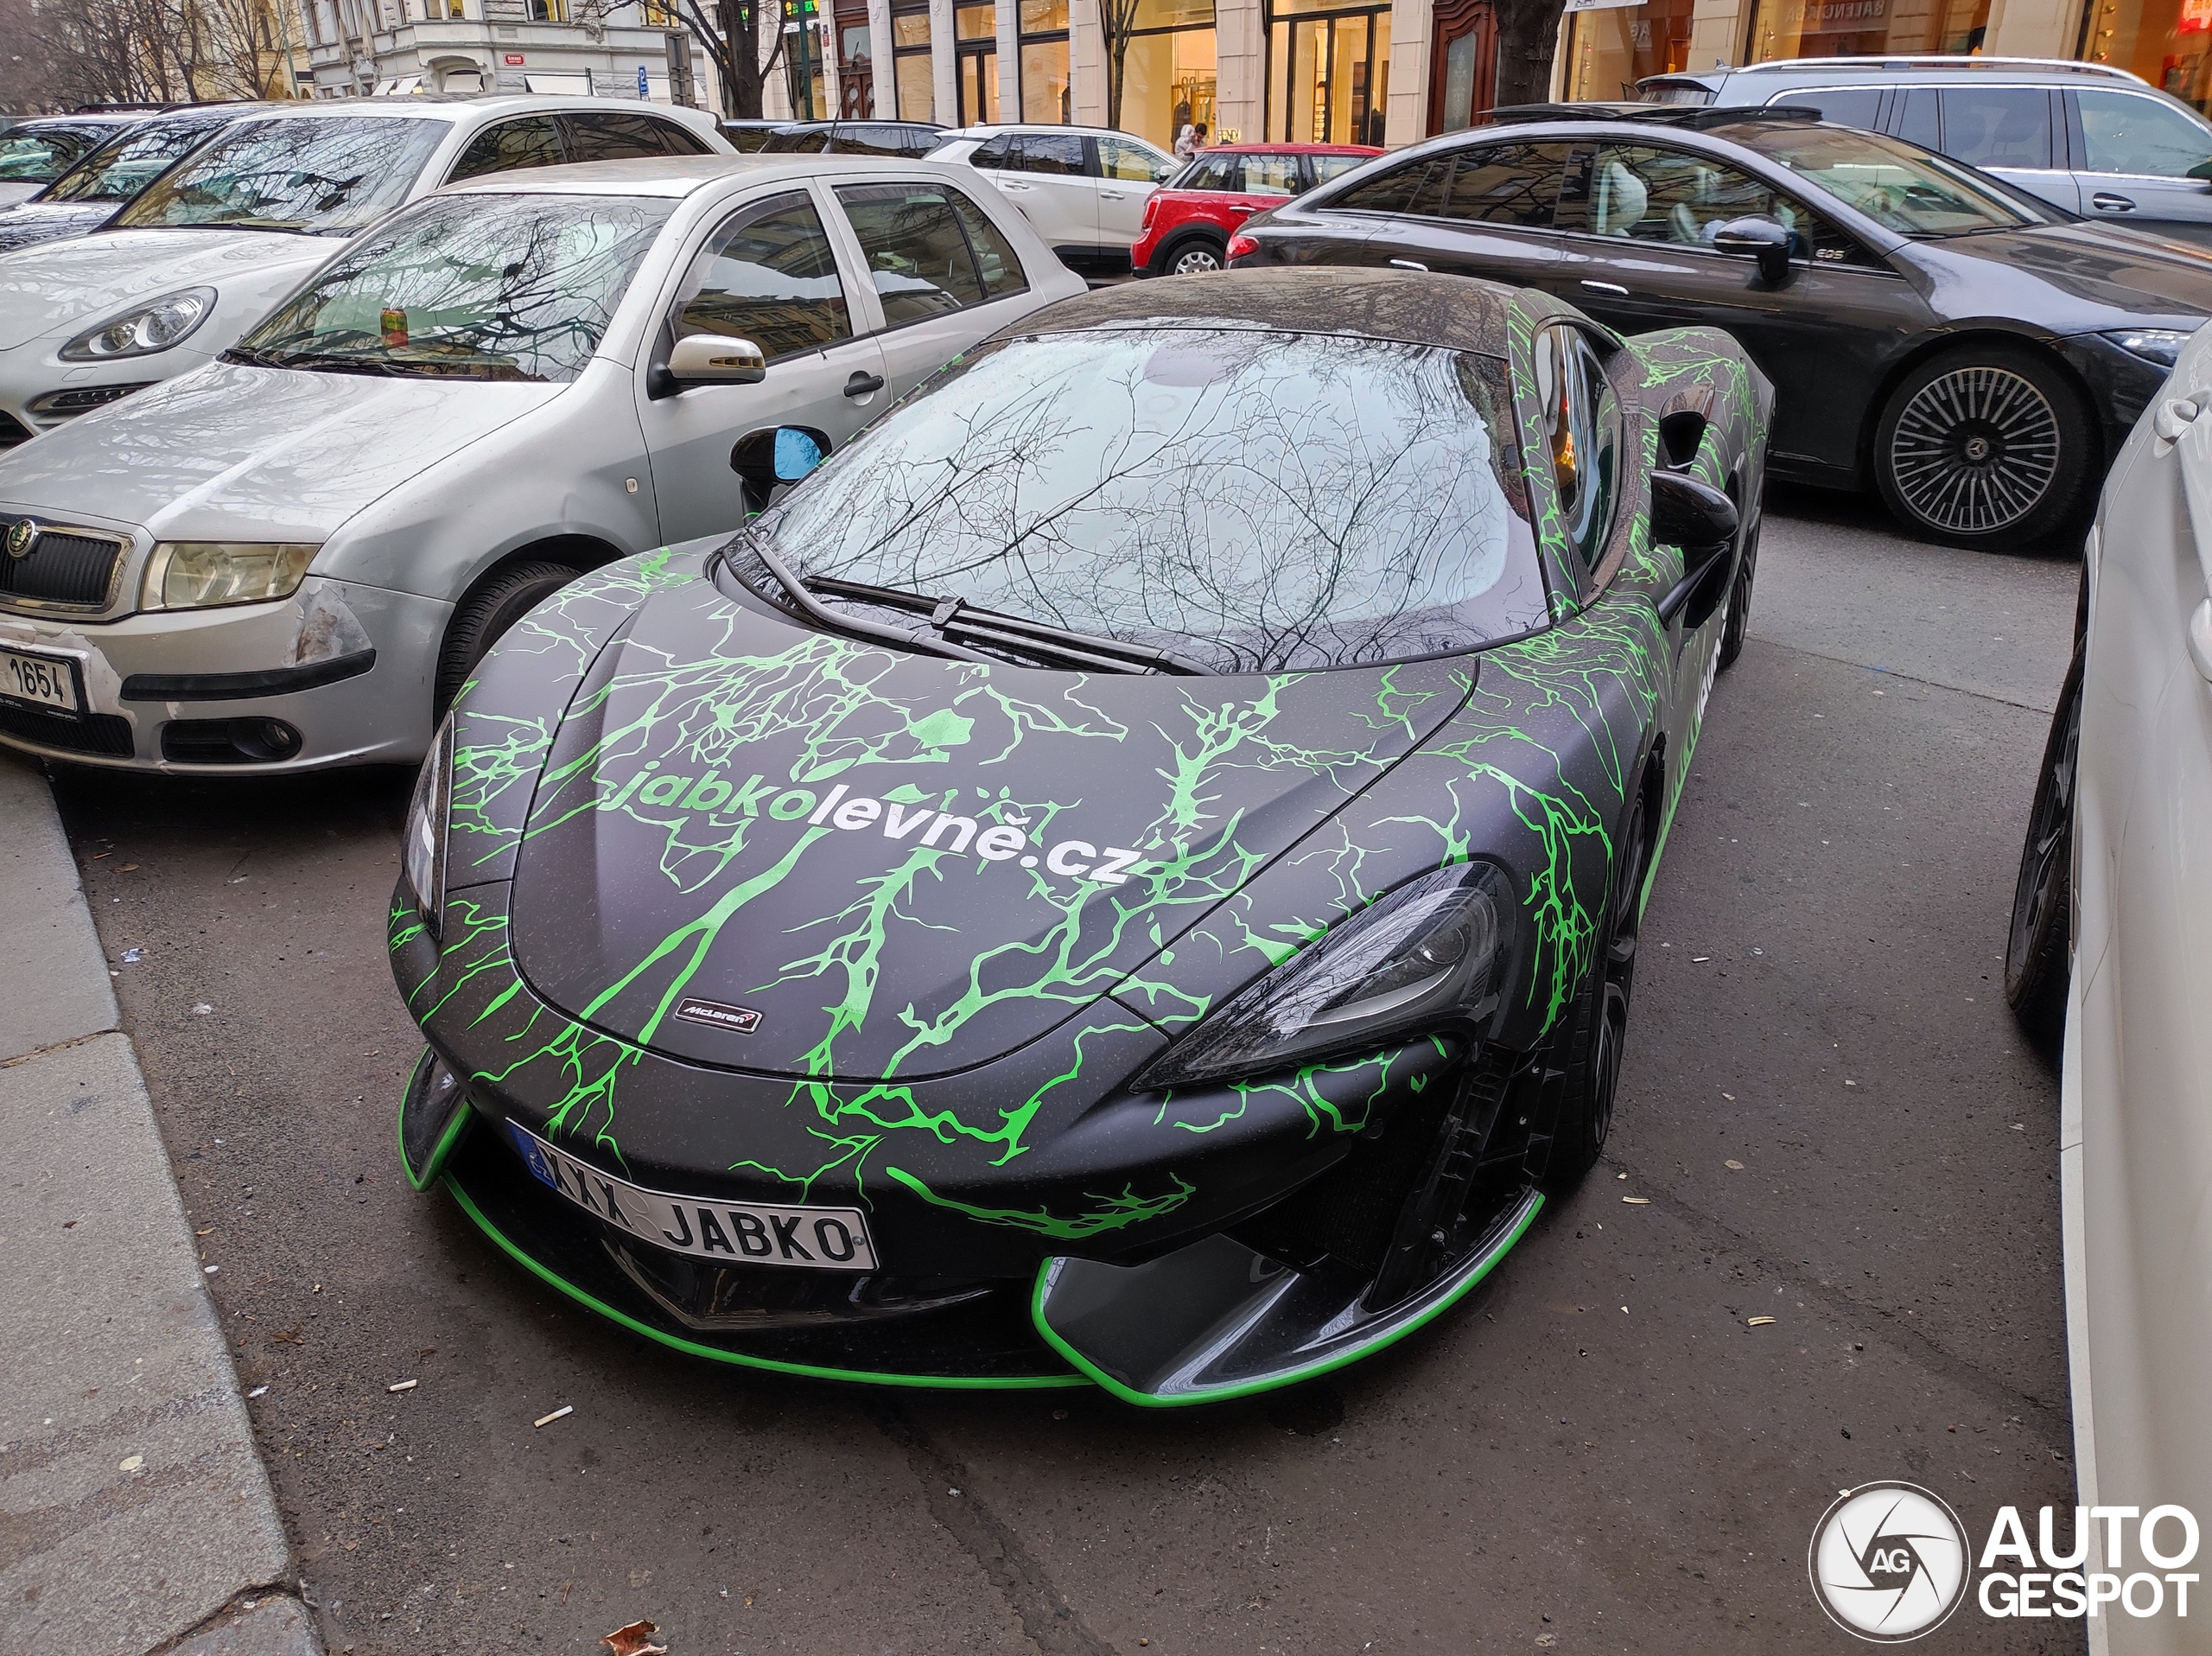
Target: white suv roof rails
2048, 66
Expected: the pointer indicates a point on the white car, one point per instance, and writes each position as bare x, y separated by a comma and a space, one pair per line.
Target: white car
2120, 844
293, 557
1083, 187
204, 252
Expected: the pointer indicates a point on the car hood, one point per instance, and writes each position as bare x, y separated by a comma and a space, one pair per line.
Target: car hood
730, 857
37, 221
58, 289
2134, 274
232, 452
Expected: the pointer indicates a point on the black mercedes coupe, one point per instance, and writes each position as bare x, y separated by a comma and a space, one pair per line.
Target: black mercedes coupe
1976, 354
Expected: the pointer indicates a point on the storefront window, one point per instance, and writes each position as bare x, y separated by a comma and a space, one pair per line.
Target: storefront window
975, 33
1608, 51
856, 65
912, 78
2168, 42
1328, 73
1823, 29
1168, 73
1045, 94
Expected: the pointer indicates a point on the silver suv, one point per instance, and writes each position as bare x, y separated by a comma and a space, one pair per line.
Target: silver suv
2086, 136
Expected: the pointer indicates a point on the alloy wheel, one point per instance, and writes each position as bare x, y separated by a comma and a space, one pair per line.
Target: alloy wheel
1976, 449
1195, 261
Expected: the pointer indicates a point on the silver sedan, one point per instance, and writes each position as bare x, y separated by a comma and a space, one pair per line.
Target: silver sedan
292, 556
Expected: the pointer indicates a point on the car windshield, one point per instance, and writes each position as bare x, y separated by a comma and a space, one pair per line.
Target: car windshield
39, 155
1249, 499
468, 287
326, 174
1900, 185
123, 166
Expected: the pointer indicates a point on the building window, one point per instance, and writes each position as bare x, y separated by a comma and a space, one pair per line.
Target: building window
856, 65
911, 78
1827, 28
1328, 72
2168, 42
975, 78
1608, 51
1168, 71
549, 11
1046, 95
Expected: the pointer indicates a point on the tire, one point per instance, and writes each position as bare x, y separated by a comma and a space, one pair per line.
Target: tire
1194, 256
1739, 623
500, 600
1988, 446
2038, 942
1585, 1115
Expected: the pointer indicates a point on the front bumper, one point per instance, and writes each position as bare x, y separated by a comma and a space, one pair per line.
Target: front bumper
39, 390
345, 669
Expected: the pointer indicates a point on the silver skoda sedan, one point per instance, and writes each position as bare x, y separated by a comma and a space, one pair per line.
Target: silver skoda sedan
292, 556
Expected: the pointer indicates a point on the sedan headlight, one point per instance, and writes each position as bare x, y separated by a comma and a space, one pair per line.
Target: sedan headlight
2158, 345
1429, 956
142, 332
193, 574
422, 846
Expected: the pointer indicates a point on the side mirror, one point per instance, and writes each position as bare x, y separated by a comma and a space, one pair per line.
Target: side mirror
1757, 238
774, 455
708, 358
1701, 520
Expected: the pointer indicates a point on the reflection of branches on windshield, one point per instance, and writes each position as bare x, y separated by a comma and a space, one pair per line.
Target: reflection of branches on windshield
311, 173
523, 291
1280, 501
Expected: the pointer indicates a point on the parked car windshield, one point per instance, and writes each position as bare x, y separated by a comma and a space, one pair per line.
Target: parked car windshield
124, 165
325, 174
1254, 500
38, 155
1900, 185
468, 287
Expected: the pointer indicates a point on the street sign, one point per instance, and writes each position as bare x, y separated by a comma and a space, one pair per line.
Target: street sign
645, 86
514, 58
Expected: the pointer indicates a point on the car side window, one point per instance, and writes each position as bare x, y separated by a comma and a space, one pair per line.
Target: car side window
768, 274
1398, 190
2124, 132
995, 259
1209, 173
1502, 184
529, 142
1271, 176
1581, 433
610, 135
1856, 107
862, 139
1640, 192
1997, 126
1038, 152
1915, 122
992, 152
1328, 166
1118, 158
917, 255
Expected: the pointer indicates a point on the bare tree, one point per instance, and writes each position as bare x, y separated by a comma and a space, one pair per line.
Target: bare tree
1527, 33
1117, 21
729, 32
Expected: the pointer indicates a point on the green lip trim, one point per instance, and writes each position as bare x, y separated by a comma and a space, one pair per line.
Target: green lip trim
692, 1349
1275, 1383
460, 1125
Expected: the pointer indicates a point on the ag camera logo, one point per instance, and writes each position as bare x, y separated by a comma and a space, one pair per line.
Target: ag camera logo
1889, 1562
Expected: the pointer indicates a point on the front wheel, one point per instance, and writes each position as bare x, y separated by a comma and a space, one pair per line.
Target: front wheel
503, 598
2037, 946
1988, 447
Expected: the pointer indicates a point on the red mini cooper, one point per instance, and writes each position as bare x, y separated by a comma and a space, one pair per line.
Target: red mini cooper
1189, 219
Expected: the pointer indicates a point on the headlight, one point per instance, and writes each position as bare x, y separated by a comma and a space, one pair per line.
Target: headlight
193, 574
2158, 345
142, 332
422, 847
1427, 956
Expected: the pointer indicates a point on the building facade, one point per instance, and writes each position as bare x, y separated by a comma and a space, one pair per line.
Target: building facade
355, 47
1605, 48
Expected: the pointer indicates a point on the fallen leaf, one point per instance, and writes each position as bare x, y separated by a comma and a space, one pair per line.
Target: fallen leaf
1638, 1201
126, 867
131, 1463
1733, 1167
636, 1639
290, 1336
1757, 1322
547, 1420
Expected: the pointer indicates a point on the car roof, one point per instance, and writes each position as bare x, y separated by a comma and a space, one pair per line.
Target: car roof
675, 175
439, 108
88, 117
992, 129
1457, 313
1892, 71
1695, 116
1291, 150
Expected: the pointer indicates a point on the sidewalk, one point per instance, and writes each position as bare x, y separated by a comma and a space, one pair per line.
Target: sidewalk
134, 1515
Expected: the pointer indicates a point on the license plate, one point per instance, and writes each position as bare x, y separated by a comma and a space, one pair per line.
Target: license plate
727, 1233
41, 680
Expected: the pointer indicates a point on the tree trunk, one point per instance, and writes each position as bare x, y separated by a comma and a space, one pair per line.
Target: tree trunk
1528, 33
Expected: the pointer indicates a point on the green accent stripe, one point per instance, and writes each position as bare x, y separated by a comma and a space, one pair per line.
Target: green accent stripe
692, 1349
1274, 1383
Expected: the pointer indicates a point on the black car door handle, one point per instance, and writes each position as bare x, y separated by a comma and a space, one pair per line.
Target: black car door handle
2105, 202
864, 385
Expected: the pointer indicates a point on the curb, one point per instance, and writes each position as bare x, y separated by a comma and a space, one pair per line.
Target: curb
138, 1513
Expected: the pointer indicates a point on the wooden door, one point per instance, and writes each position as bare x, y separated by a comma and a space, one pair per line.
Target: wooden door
1463, 58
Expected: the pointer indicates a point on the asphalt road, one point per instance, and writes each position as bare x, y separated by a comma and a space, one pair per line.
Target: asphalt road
1826, 1111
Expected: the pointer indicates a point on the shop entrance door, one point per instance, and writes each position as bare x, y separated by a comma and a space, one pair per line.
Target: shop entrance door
1328, 74
1463, 87
978, 84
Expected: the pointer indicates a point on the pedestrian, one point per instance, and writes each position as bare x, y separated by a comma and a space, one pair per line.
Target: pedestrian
1189, 141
